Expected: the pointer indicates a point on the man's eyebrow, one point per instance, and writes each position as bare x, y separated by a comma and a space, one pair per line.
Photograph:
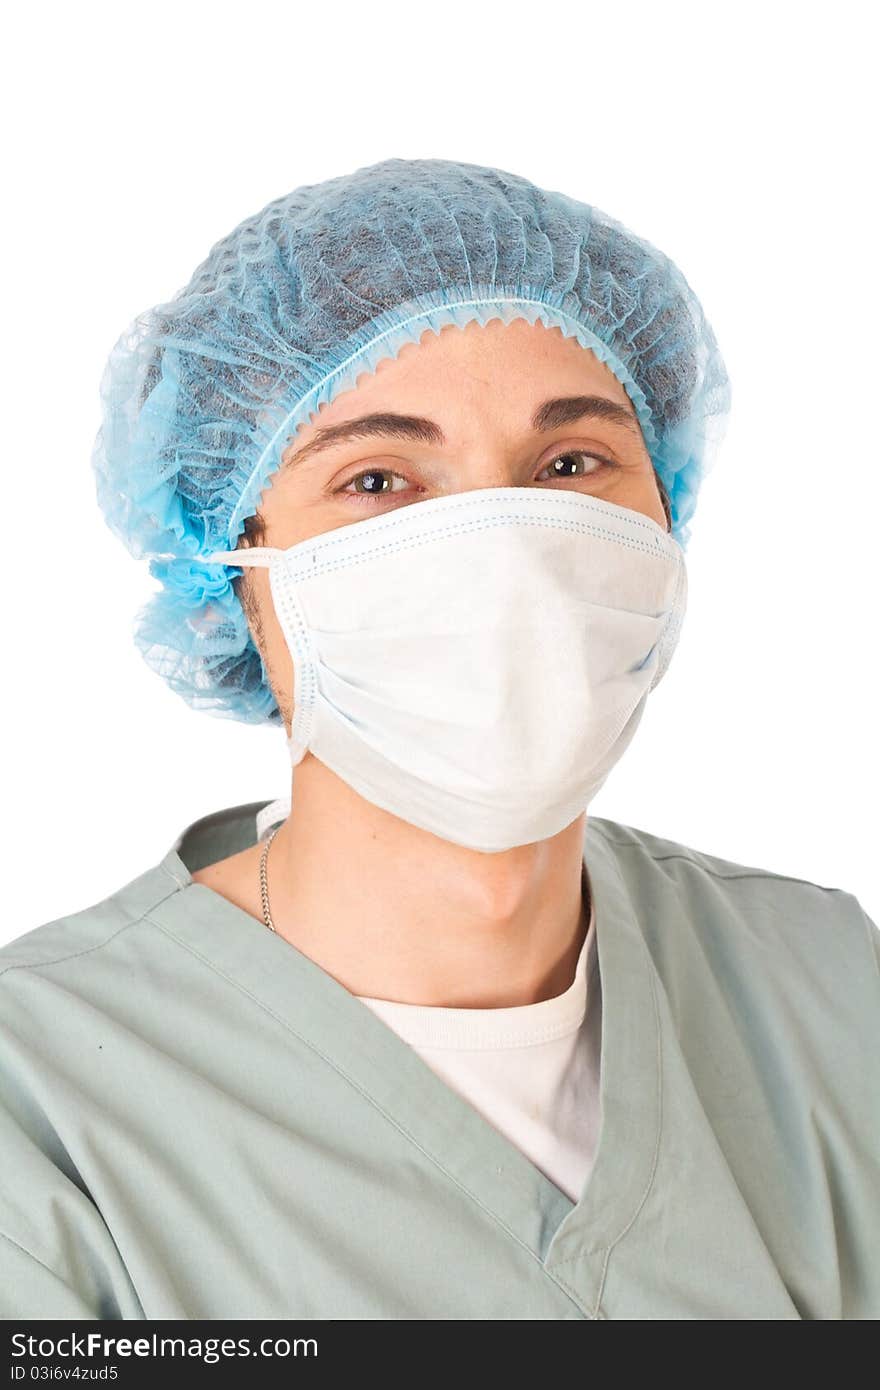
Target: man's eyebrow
558, 411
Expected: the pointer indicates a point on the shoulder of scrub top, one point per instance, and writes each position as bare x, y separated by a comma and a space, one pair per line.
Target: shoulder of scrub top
676, 888
815, 944
92, 927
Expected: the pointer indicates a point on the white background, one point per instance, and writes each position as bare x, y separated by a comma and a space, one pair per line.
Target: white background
741, 141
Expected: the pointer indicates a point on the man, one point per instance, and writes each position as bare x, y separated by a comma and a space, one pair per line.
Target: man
453, 1048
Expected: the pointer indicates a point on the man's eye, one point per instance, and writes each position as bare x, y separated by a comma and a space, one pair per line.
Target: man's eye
377, 482
564, 465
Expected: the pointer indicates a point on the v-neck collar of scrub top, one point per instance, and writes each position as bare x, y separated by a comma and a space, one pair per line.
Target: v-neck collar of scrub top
573, 1240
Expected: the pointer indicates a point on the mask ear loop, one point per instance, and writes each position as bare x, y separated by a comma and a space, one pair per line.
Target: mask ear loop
263, 557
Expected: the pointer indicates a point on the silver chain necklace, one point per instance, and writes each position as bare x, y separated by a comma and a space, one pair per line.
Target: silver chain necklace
264, 885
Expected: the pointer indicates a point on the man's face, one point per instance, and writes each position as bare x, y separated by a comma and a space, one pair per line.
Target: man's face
482, 387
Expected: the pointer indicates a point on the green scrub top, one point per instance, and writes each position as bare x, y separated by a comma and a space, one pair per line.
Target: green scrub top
198, 1121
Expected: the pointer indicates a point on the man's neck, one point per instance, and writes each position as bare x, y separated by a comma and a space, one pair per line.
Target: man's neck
393, 912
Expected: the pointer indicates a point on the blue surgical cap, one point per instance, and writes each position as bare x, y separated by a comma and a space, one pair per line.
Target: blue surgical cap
202, 394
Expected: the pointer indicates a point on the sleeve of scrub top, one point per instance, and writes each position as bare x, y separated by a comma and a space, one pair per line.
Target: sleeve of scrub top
57, 1257
27, 1286
873, 937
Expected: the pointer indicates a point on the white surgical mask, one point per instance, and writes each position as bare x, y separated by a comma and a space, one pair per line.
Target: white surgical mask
477, 663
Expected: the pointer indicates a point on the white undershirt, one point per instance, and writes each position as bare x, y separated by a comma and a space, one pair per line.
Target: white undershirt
532, 1070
